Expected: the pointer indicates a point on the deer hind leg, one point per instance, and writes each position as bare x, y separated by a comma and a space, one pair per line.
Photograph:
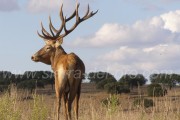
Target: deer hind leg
69, 105
65, 106
76, 102
71, 97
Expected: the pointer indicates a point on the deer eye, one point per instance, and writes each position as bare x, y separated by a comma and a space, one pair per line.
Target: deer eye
48, 48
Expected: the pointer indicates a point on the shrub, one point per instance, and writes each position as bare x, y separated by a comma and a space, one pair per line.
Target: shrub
111, 103
143, 102
116, 88
156, 90
30, 85
123, 89
3, 88
111, 88
102, 83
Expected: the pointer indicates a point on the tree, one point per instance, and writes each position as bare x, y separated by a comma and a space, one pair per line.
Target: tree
102, 83
133, 80
116, 88
96, 77
30, 84
5, 77
166, 79
156, 90
5, 80
46, 77
26, 80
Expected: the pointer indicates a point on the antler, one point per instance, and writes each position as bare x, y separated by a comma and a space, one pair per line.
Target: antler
56, 34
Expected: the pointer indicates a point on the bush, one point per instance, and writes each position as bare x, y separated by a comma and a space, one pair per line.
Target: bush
102, 83
143, 102
155, 90
116, 88
111, 103
111, 88
30, 85
123, 89
3, 88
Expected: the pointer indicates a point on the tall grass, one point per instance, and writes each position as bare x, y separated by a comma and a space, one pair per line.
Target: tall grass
8, 109
166, 108
41, 107
14, 107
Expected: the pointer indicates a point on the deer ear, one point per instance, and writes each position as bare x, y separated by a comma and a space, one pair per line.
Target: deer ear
58, 42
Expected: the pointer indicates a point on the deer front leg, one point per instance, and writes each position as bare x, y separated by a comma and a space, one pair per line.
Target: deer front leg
58, 96
58, 101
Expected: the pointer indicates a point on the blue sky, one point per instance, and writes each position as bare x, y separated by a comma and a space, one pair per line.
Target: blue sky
139, 36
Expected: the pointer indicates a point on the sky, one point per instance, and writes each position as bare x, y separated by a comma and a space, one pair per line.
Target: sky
125, 36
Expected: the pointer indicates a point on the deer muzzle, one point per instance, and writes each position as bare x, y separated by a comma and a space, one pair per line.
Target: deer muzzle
34, 58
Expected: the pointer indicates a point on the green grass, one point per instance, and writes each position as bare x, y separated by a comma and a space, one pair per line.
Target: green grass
8, 109
13, 108
39, 109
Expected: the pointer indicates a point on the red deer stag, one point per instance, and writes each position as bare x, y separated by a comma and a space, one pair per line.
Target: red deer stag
68, 69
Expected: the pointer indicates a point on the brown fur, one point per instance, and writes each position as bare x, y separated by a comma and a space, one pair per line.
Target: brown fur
69, 86
69, 69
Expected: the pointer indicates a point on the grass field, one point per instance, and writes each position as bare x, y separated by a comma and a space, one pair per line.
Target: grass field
21, 105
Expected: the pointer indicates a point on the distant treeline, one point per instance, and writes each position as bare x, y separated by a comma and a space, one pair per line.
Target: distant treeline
107, 81
33, 79
28, 80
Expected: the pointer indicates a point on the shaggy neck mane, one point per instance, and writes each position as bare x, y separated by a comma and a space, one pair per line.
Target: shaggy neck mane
56, 55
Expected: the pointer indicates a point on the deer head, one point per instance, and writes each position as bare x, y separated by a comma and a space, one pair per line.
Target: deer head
54, 39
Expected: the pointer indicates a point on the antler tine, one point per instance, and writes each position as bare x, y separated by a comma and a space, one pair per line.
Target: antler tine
40, 35
45, 35
51, 27
77, 14
55, 33
75, 25
78, 20
44, 32
51, 30
72, 16
88, 16
87, 12
63, 21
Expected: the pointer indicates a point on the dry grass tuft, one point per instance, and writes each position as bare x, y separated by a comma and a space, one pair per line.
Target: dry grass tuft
22, 106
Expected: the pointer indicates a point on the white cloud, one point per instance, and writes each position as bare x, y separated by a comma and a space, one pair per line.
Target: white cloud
159, 29
147, 60
108, 34
172, 21
146, 47
8, 5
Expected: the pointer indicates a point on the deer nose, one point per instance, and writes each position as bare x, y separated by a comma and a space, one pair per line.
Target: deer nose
32, 58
